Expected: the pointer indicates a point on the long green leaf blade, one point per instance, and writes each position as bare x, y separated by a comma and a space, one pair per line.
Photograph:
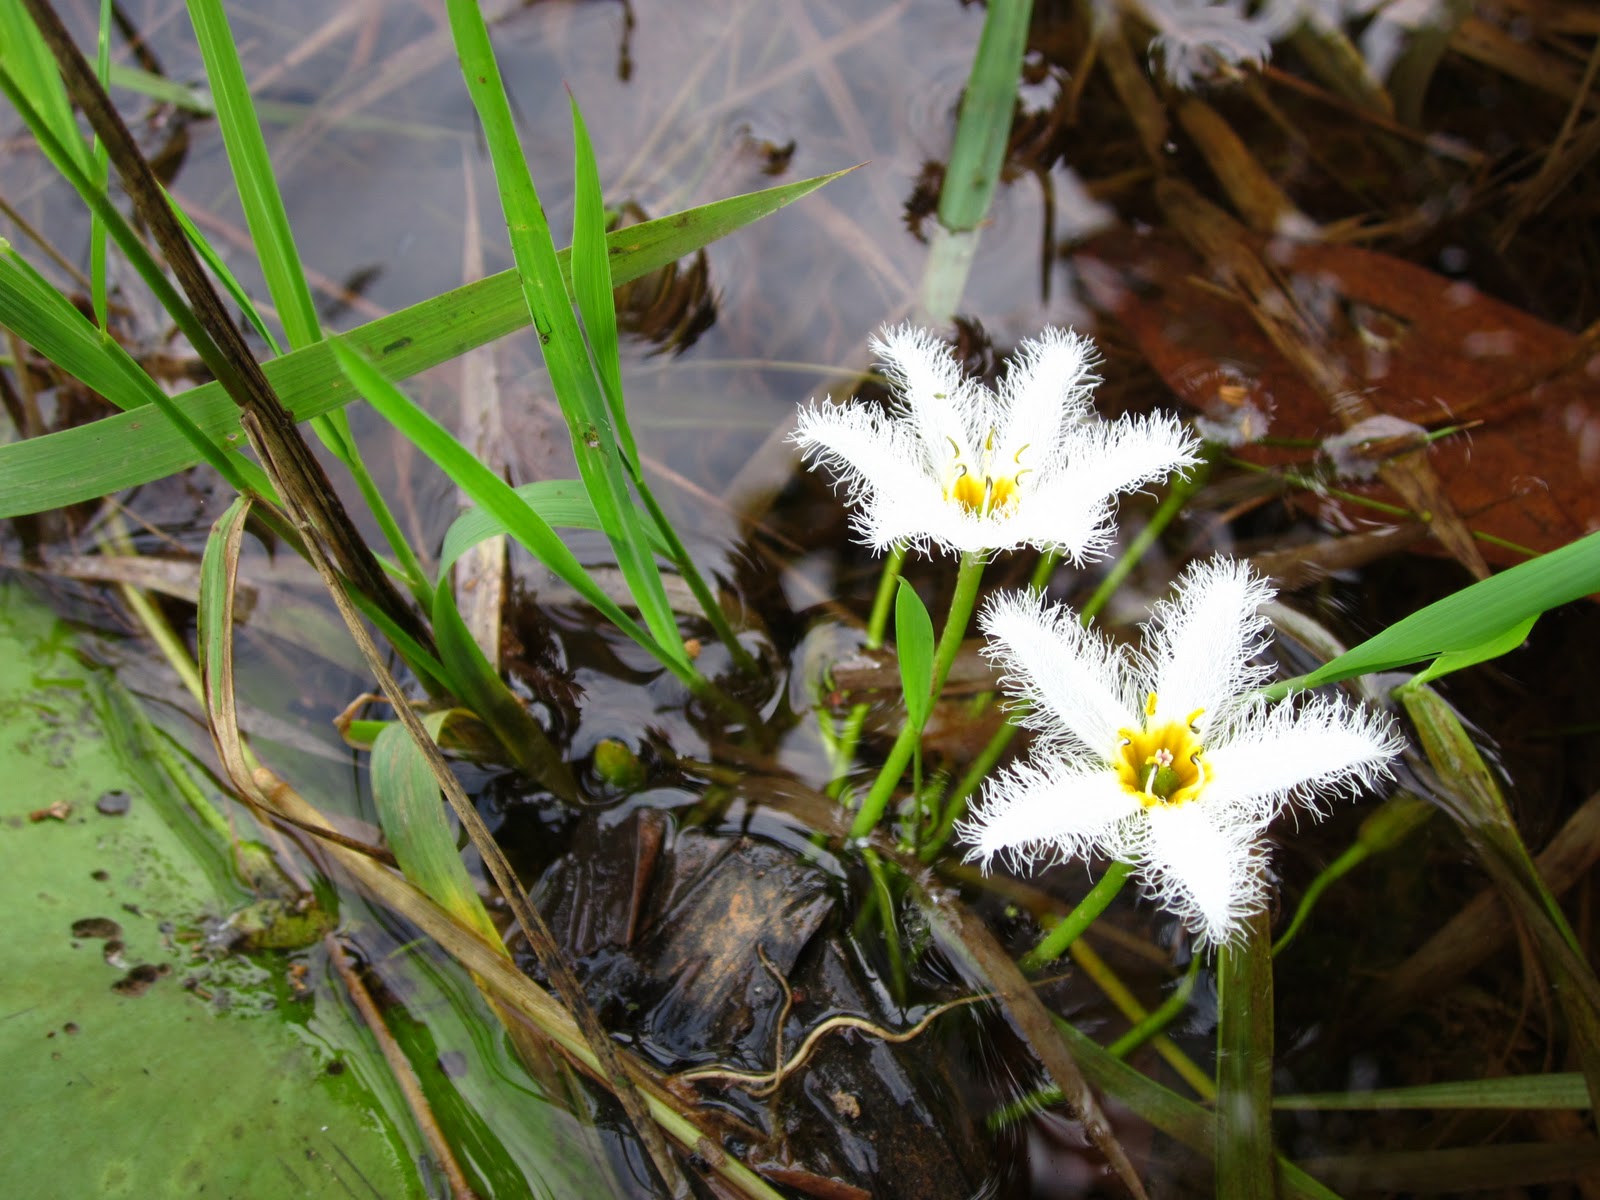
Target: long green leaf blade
1564, 1090
591, 282
128, 450
264, 211
594, 438
493, 493
1472, 617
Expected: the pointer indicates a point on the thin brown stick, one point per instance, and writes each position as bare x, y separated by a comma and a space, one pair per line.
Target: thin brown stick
400, 1068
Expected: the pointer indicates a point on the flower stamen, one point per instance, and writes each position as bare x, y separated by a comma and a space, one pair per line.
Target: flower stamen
1162, 763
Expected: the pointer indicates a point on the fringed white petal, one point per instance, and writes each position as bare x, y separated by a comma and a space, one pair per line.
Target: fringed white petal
1045, 391
1073, 679
1204, 866
876, 461
1048, 812
1199, 646
1278, 754
1070, 502
930, 390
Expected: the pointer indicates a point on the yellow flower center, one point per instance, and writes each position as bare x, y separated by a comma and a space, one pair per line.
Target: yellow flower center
1165, 763
978, 486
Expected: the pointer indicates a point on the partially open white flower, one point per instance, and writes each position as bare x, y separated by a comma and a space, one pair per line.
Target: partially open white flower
1165, 758
952, 464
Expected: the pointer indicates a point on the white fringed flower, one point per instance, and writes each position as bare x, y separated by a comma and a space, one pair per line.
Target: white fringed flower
1164, 758
952, 464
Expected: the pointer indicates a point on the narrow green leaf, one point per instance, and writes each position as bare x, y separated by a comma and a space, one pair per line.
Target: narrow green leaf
264, 212
494, 494
1245, 1161
41, 316
1471, 656
591, 282
25, 57
913, 647
128, 450
101, 175
52, 325
561, 502
566, 357
984, 126
1564, 1090
1472, 617
418, 827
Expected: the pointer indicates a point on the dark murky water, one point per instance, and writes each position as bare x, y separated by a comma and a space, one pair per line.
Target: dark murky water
662, 894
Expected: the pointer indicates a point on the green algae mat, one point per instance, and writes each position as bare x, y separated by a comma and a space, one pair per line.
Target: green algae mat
142, 1056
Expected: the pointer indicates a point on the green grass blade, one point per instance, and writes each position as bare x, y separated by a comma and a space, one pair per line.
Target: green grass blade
128, 450
101, 176
1245, 1162
41, 316
273, 238
415, 823
63, 154
264, 212
913, 648
1472, 617
562, 503
572, 378
591, 283
494, 494
50, 323
1564, 1090
27, 60
984, 125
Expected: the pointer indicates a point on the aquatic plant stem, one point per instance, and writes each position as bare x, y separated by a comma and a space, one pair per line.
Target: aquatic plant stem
842, 748
1177, 496
679, 554
1054, 944
968, 577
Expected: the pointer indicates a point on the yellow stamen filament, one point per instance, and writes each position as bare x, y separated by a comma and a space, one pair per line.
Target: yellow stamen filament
977, 487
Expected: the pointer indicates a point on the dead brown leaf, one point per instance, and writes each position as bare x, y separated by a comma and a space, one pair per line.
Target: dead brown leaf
1416, 346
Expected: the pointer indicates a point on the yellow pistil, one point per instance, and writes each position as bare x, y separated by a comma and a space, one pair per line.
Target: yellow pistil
977, 487
1165, 763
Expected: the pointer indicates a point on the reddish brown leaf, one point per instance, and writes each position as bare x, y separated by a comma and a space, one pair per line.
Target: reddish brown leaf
1428, 350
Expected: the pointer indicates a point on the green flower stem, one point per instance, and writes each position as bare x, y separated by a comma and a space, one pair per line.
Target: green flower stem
1384, 829
944, 657
1177, 496
841, 750
1160, 1017
1054, 944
